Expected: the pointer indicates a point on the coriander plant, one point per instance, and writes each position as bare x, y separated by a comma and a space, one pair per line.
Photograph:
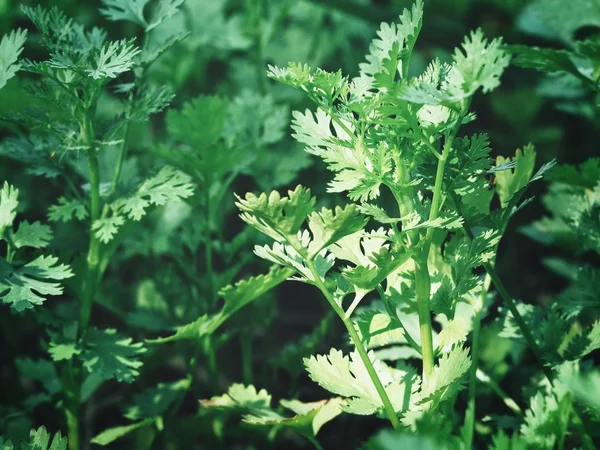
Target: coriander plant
419, 225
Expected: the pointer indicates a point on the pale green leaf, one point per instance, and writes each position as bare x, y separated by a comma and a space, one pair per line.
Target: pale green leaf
11, 47
33, 235
9, 201
66, 209
278, 217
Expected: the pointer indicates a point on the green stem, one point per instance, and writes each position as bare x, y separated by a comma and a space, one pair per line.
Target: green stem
73, 429
387, 404
10, 252
72, 406
423, 291
422, 278
122, 154
93, 256
211, 362
314, 442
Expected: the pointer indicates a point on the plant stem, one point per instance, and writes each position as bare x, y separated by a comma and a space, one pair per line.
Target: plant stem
423, 290
122, 153
211, 361
314, 442
387, 404
93, 256
72, 406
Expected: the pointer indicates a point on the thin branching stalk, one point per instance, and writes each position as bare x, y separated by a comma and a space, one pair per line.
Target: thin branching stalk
360, 348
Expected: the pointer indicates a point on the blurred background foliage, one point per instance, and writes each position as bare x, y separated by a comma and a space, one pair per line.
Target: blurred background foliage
226, 53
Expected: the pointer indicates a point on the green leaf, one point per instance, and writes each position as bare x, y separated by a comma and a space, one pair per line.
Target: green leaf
106, 228
454, 332
509, 182
67, 209
155, 401
111, 355
391, 50
257, 410
235, 297
329, 226
502, 442
447, 378
25, 287
133, 11
64, 344
349, 378
40, 440
9, 201
392, 440
168, 185
544, 59
113, 59
585, 175
210, 111
377, 329
11, 47
33, 235
42, 371
480, 63
151, 99
278, 217
112, 434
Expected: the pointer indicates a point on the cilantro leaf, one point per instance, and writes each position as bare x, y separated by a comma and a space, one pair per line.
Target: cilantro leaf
390, 52
25, 287
509, 182
447, 378
113, 59
40, 439
155, 401
327, 226
9, 200
235, 297
133, 11
210, 111
168, 185
11, 47
112, 356
256, 408
33, 235
67, 209
42, 371
278, 217
106, 228
348, 377
112, 434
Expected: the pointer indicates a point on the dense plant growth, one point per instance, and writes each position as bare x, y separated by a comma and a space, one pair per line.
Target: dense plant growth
134, 312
